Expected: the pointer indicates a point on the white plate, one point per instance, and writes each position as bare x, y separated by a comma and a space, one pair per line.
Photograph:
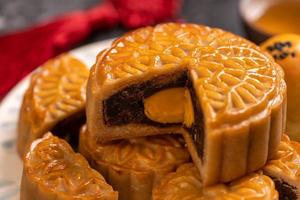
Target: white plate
10, 163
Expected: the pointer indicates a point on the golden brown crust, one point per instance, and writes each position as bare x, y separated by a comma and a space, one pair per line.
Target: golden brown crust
134, 166
56, 92
285, 165
223, 60
53, 171
240, 90
186, 184
220, 54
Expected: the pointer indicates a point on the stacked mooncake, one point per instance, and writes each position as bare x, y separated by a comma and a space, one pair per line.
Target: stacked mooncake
173, 111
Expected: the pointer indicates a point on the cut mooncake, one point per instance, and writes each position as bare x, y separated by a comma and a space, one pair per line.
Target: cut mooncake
134, 166
53, 171
54, 100
285, 49
186, 183
284, 169
217, 89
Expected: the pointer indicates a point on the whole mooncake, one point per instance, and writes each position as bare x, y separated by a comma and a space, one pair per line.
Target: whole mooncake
186, 183
134, 166
285, 49
217, 89
53, 171
284, 169
54, 100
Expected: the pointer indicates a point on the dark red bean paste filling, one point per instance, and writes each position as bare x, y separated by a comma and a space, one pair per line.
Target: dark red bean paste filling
197, 129
285, 190
126, 106
69, 128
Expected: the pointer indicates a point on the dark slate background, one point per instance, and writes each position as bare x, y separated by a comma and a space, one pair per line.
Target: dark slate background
18, 14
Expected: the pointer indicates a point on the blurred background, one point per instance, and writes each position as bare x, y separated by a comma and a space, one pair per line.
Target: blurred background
18, 14
33, 31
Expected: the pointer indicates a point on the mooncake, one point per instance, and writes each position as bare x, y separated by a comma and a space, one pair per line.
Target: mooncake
186, 183
220, 91
133, 166
53, 171
54, 100
284, 169
285, 49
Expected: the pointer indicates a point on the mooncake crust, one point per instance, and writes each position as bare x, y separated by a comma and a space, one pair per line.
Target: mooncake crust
57, 93
186, 183
285, 167
221, 53
134, 166
52, 170
240, 90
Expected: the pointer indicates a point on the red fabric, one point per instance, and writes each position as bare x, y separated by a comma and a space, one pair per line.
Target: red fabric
136, 13
22, 52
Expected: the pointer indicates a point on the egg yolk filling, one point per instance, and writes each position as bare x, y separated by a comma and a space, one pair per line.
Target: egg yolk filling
172, 105
165, 101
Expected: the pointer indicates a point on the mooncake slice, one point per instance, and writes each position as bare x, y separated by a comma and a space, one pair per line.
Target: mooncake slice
186, 183
54, 100
53, 171
284, 169
217, 89
133, 166
285, 49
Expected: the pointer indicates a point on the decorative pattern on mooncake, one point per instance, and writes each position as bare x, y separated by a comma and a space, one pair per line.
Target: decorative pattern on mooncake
186, 183
234, 95
285, 49
55, 100
134, 166
53, 171
284, 169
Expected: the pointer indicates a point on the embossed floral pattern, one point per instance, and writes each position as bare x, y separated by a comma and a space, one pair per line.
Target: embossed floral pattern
59, 88
186, 184
51, 164
9, 111
163, 152
233, 76
56, 92
287, 160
